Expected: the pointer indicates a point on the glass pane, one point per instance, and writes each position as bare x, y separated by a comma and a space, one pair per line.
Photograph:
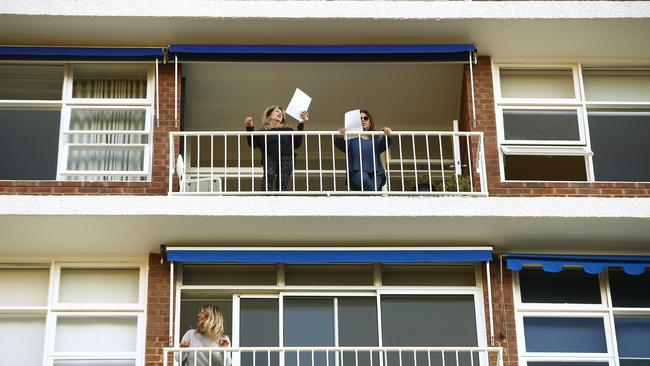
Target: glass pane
190, 309
628, 290
31, 82
427, 275
527, 83
29, 143
357, 328
24, 286
619, 143
617, 85
110, 81
105, 159
259, 327
633, 362
577, 335
22, 340
571, 286
96, 334
632, 336
542, 125
308, 322
229, 274
108, 119
94, 363
359, 274
105, 285
545, 167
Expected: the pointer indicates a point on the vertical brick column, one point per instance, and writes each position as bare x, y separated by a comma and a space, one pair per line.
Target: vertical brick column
503, 311
157, 310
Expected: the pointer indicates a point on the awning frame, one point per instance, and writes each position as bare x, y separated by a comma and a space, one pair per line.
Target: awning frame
593, 264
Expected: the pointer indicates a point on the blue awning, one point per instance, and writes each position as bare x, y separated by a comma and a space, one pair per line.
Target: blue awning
422, 52
80, 53
593, 264
325, 255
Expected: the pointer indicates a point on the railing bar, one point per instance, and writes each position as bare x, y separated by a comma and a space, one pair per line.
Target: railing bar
211, 163
327, 352
297, 358
469, 162
196, 356
306, 164
442, 165
400, 357
279, 179
254, 358
415, 358
457, 362
471, 358
370, 355
268, 358
198, 162
347, 162
341, 353
374, 166
225, 164
334, 167
238, 164
415, 164
293, 163
320, 162
265, 178
356, 357
312, 358
401, 163
388, 158
361, 165
442, 355
210, 358
428, 358
252, 140
426, 139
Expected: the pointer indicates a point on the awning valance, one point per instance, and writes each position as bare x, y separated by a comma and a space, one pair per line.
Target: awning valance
422, 52
593, 264
80, 53
328, 255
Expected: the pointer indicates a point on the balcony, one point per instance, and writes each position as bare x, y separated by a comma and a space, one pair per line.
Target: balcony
335, 356
447, 163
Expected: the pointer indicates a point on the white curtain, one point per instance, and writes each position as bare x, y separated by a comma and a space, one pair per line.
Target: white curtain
104, 158
129, 88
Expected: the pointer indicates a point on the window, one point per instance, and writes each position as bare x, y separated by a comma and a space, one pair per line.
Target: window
76, 122
576, 318
347, 305
543, 120
73, 314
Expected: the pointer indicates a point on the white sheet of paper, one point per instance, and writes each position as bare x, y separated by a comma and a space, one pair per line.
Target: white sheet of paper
353, 122
299, 102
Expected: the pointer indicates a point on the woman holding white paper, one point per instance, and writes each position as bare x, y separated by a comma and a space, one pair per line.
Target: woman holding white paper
277, 151
365, 169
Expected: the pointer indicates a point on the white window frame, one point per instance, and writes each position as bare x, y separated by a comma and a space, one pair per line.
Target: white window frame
581, 141
577, 91
53, 309
605, 310
69, 103
376, 290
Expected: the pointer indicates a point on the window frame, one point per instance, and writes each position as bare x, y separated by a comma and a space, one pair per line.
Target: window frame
605, 310
53, 309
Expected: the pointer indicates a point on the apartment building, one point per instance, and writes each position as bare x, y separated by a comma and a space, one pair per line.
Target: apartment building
512, 228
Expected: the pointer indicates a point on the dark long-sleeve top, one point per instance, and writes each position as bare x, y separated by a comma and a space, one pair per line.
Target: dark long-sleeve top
270, 142
364, 156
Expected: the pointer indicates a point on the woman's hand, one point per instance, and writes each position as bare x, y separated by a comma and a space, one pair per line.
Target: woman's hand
184, 343
224, 342
304, 116
387, 131
248, 122
341, 132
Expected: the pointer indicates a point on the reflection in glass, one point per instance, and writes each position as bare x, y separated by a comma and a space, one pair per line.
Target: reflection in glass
577, 335
571, 286
308, 322
259, 327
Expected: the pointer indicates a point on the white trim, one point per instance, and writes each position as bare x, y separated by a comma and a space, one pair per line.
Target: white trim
546, 150
578, 112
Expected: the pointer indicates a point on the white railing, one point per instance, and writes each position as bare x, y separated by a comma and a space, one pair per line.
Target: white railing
415, 163
334, 356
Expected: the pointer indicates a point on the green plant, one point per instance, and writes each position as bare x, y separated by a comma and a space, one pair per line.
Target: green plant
464, 184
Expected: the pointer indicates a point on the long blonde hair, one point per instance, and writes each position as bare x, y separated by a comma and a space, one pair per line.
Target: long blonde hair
213, 325
266, 118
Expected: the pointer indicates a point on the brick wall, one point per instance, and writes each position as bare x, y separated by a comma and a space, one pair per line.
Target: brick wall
486, 123
157, 310
160, 162
503, 310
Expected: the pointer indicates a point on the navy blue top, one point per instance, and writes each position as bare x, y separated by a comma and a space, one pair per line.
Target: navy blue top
364, 156
270, 142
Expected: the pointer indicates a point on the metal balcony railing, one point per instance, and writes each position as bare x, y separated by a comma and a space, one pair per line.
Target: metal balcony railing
323, 162
334, 356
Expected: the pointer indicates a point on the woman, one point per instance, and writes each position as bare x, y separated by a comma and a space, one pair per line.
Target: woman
365, 169
209, 333
277, 151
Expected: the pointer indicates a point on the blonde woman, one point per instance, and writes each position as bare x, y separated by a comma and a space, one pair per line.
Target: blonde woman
277, 151
209, 333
